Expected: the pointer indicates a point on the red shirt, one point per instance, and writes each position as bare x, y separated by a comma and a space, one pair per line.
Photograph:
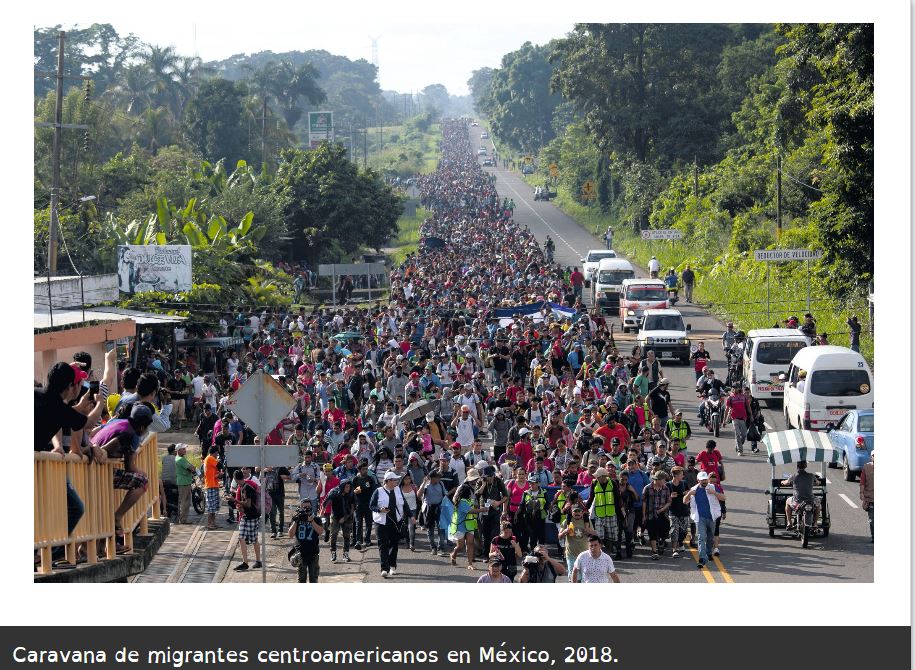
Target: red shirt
524, 452
709, 461
607, 434
334, 415
577, 278
738, 406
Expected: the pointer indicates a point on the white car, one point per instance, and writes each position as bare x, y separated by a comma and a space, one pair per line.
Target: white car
481, 151
474, 123
590, 262
663, 331
484, 135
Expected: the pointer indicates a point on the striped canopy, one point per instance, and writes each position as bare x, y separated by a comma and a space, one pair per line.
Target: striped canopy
791, 446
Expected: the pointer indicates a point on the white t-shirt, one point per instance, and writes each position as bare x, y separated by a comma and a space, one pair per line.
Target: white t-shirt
594, 570
231, 366
457, 464
198, 382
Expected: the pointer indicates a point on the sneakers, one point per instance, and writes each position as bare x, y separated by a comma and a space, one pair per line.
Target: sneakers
655, 557
700, 564
333, 557
272, 536
676, 554
257, 564
392, 572
384, 573
716, 552
357, 547
368, 544
346, 558
241, 567
434, 551
412, 547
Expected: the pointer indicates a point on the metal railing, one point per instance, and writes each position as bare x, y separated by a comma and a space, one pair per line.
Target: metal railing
94, 483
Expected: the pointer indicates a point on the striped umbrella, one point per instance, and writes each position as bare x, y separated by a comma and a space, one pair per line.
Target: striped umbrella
791, 446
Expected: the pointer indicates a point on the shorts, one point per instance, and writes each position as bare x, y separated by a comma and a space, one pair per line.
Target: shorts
658, 528
606, 527
247, 529
794, 503
679, 528
457, 535
212, 500
128, 481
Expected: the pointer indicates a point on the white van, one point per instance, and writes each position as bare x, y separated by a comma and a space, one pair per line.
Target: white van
638, 295
608, 282
823, 383
767, 354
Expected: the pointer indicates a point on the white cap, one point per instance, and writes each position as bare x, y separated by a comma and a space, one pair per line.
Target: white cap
389, 475
702, 476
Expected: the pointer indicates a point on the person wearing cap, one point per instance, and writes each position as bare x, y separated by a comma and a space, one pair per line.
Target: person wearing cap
677, 431
602, 499
614, 435
466, 425
655, 505
523, 448
659, 400
464, 521
437, 430
184, 479
494, 573
530, 517
738, 411
662, 457
705, 508
499, 428
120, 438
364, 485
389, 513
728, 337
575, 529
307, 475
431, 493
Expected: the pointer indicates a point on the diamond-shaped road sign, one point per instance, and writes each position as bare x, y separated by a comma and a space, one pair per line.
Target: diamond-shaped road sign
261, 403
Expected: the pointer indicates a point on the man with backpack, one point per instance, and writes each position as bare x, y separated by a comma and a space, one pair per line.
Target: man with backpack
342, 504
306, 529
738, 410
247, 501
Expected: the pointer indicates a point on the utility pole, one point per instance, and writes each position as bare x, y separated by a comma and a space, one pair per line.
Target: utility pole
58, 126
696, 178
381, 128
365, 144
264, 135
778, 197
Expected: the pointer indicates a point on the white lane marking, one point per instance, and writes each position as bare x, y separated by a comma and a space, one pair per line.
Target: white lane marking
848, 500
768, 427
537, 214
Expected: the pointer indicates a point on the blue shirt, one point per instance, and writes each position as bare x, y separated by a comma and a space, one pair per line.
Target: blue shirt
702, 504
639, 480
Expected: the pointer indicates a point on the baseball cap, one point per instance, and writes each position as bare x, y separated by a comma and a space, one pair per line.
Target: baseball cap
328, 467
601, 472
80, 374
140, 412
389, 475
702, 476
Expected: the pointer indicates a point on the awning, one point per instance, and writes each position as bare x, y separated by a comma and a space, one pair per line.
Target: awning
791, 446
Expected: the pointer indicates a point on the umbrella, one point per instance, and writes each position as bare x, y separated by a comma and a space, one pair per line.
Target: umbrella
791, 446
419, 408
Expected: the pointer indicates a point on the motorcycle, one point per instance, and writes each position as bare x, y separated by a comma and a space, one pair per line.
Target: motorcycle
673, 295
714, 410
171, 498
803, 522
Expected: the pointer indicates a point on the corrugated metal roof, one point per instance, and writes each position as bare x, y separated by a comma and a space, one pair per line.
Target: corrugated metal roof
68, 317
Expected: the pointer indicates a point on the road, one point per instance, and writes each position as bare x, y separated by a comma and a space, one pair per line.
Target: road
748, 554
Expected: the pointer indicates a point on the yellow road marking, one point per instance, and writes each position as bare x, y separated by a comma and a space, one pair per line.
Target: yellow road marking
724, 573
705, 571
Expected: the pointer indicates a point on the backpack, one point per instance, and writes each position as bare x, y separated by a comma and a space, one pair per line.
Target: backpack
268, 502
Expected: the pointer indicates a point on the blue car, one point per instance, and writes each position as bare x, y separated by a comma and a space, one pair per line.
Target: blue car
854, 436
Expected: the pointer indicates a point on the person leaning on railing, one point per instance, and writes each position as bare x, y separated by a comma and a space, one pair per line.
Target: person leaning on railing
54, 413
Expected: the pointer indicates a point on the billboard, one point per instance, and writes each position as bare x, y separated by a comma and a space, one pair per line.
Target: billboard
320, 128
154, 267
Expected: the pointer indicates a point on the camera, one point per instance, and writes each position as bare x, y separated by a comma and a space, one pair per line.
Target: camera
532, 559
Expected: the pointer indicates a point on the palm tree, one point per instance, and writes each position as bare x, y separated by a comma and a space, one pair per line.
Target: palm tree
188, 73
156, 128
134, 88
294, 83
162, 63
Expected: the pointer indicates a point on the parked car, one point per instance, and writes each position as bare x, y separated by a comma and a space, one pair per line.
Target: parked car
527, 169
484, 135
481, 151
854, 436
590, 262
488, 162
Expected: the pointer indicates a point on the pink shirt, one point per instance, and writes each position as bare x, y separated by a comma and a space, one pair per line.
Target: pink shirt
515, 494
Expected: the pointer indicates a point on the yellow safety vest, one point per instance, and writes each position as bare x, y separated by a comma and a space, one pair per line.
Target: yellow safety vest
541, 496
604, 505
677, 433
470, 521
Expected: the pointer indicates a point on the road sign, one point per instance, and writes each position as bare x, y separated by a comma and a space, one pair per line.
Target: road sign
261, 403
787, 254
554, 170
588, 188
662, 234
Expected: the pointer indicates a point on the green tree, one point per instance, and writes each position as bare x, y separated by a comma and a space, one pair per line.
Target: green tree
839, 59
333, 207
519, 104
436, 95
479, 86
214, 121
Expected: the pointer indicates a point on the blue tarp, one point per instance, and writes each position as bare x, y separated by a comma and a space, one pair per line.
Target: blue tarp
533, 308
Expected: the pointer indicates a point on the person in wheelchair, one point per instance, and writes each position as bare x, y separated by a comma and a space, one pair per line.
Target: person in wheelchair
802, 482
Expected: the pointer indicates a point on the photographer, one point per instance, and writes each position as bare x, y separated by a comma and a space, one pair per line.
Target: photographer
538, 567
306, 529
